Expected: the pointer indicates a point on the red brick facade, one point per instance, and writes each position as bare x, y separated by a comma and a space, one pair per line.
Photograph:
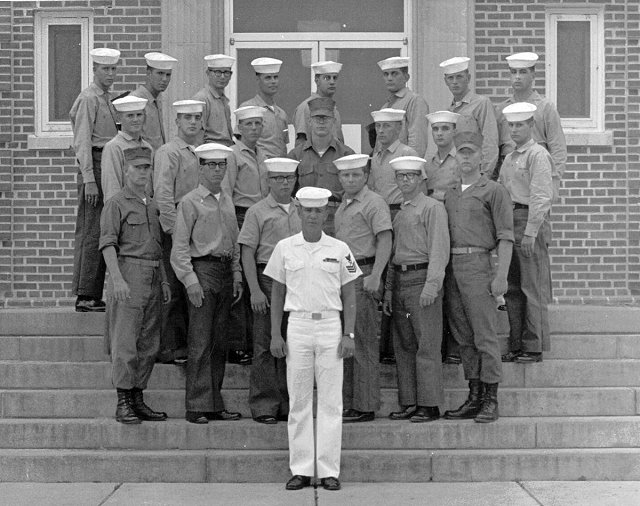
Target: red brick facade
595, 251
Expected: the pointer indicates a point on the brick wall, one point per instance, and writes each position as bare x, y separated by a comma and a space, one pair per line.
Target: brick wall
595, 252
38, 187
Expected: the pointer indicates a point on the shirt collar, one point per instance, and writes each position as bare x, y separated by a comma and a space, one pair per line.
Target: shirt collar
401, 93
243, 147
308, 144
358, 196
145, 93
97, 89
451, 153
525, 146
271, 202
468, 96
416, 200
215, 94
298, 240
128, 137
130, 195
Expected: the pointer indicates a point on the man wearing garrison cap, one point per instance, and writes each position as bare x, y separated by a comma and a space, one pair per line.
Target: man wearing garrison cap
93, 120
131, 245
159, 69
265, 224
476, 112
275, 123
325, 75
176, 170
415, 131
547, 129
527, 174
217, 115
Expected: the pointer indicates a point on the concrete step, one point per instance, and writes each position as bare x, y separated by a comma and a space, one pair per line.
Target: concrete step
89, 348
381, 434
550, 373
194, 466
537, 402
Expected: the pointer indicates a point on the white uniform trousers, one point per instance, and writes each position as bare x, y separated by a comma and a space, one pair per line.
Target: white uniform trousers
312, 351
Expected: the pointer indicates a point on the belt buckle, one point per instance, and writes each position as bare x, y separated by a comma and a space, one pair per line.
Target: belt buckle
404, 268
316, 316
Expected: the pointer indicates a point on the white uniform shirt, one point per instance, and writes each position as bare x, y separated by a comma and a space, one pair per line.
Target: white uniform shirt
313, 272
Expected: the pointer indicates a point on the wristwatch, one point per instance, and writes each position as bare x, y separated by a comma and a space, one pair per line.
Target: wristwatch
350, 335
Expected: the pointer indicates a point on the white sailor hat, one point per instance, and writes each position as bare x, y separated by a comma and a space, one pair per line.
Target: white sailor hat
219, 61
388, 115
188, 106
355, 161
455, 65
160, 61
213, 151
130, 104
266, 65
286, 165
326, 67
408, 163
443, 117
395, 62
310, 196
519, 111
249, 111
522, 60
105, 56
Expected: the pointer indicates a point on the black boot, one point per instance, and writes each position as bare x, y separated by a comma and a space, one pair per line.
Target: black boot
471, 406
143, 411
124, 411
489, 410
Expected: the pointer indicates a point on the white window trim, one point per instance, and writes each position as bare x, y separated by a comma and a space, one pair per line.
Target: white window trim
56, 134
580, 128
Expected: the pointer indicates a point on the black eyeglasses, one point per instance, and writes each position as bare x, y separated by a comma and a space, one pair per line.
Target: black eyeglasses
281, 179
411, 176
220, 73
211, 164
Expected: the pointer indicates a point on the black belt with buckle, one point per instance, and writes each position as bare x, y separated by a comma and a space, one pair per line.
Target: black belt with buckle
261, 266
412, 267
214, 258
518, 205
366, 261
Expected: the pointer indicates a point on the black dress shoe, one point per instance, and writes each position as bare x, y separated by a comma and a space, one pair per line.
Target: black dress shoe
196, 417
330, 483
528, 358
404, 414
223, 415
238, 357
266, 419
425, 414
298, 482
349, 413
90, 306
358, 416
511, 356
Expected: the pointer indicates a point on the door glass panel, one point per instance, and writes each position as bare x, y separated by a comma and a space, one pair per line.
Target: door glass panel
65, 69
275, 16
359, 72
574, 63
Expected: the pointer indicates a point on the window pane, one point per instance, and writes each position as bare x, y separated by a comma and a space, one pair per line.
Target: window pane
574, 69
65, 69
312, 16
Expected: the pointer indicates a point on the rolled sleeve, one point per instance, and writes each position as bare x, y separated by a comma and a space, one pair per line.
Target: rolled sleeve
250, 232
275, 266
502, 213
110, 220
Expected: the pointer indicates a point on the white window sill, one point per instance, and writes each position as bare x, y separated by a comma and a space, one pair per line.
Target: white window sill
45, 141
588, 137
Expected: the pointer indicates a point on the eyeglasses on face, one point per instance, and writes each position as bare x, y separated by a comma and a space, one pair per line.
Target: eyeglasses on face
220, 73
410, 176
213, 165
282, 179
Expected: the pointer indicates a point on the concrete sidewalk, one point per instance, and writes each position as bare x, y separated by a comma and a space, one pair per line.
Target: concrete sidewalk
534, 493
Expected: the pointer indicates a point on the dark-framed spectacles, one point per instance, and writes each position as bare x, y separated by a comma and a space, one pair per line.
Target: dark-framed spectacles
282, 179
410, 176
220, 73
213, 164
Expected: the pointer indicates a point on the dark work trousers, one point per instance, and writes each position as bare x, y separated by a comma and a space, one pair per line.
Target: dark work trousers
240, 321
386, 341
361, 380
329, 226
449, 344
173, 340
417, 341
473, 315
88, 265
133, 326
207, 336
268, 378
529, 292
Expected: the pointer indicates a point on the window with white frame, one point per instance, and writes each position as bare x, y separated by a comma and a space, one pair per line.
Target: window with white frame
63, 38
575, 64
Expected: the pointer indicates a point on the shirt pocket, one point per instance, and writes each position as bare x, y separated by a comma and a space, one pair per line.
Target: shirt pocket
137, 229
293, 264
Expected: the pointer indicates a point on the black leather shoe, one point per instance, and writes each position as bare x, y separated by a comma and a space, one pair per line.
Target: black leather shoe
266, 419
425, 414
528, 358
298, 482
330, 483
223, 415
356, 416
143, 411
124, 410
196, 417
511, 356
238, 357
90, 306
350, 412
404, 414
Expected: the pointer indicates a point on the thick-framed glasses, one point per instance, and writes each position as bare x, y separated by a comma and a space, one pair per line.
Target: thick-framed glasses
215, 165
409, 176
220, 73
282, 179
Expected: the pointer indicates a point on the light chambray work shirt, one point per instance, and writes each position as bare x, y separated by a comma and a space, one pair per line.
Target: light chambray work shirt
382, 178
302, 119
359, 220
204, 226
246, 175
313, 272
527, 175
216, 116
113, 162
275, 128
153, 129
415, 127
442, 174
93, 120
